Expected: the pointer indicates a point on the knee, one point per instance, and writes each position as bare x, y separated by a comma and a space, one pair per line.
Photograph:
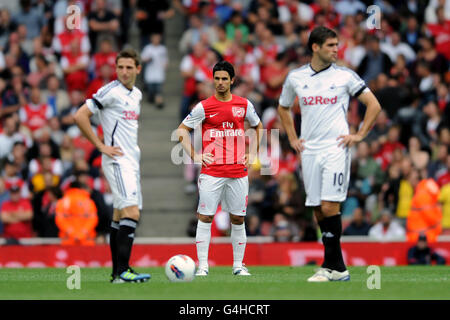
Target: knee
130, 213
237, 220
329, 209
204, 218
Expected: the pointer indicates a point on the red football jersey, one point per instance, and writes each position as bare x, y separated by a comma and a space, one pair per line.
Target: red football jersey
223, 133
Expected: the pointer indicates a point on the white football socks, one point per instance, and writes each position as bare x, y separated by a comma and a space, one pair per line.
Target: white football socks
202, 240
238, 240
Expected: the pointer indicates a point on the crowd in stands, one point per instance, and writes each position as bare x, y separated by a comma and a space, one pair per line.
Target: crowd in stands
400, 171
52, 60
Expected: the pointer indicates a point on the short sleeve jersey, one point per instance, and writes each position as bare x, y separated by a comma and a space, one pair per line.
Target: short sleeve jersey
118, 109
324, 98
223, 133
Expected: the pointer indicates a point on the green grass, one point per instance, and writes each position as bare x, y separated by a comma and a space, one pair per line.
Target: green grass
267, 283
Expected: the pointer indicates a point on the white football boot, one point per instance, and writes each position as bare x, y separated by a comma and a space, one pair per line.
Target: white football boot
241, 271
201, 272
325, 275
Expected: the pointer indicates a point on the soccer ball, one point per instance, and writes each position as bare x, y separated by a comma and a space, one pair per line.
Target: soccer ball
180, 268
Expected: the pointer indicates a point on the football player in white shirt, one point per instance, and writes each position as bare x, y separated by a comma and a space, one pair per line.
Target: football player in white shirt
118, 107
324, 91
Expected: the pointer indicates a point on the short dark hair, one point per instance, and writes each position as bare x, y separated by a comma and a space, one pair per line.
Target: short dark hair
129, 53
319, 35
224, 66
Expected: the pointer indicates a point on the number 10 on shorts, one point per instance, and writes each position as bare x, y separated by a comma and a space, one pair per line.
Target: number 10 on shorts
338, 179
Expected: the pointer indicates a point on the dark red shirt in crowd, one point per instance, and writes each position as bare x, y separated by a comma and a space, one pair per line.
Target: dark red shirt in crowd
22, 229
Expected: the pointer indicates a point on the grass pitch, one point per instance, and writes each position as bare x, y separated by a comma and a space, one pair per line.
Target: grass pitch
266, 283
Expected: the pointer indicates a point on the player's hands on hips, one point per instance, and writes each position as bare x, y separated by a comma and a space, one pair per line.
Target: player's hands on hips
111, 151
204, 159
298, 145
349, 140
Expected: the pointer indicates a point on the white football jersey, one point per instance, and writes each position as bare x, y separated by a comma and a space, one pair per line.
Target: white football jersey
118, 109
324, 98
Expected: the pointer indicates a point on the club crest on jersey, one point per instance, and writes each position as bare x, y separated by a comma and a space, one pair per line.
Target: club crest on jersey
238, 112
310, 101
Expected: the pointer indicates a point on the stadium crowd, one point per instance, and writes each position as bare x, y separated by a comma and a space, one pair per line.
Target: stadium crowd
50, 63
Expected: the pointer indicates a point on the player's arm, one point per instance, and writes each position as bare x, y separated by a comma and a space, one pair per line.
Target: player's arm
82, 119
287, 99
288, 124
184, 136
373, 108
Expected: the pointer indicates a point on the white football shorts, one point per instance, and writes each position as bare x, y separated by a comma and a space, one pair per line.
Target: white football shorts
232, 193
326, 175
125, 183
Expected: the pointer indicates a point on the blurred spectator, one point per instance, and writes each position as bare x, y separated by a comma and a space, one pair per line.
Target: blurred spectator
272, 77
104, 212
419, 157
358, 225
444, 200
222, 44
380, 129
45, 178
253, 225
368, 168
42, 136
387, 229
291, 197
430, 123
425, 216
106, 55
32, 18
12, 177
384, 155
412, 33
436, 61
16, 215
194, 68
395, 47
374, 62
106, 75
440, 30
156, 58
422, 254
439, 164
35, 114
45, 162
357, 193
102, 22
76, 216
150, 16
9, 135
236, 25
63, 42
197, 29
283, 230
75, 67
19, 158
7, 25
16, 92
44, 211
410, 177
76, 98
54, 95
